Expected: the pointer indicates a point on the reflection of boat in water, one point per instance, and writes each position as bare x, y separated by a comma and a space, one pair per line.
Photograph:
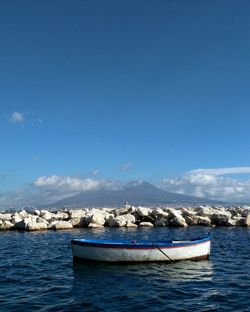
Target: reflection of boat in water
181, 271
141, 251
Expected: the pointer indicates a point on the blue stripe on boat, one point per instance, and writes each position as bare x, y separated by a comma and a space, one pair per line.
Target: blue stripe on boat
133, 244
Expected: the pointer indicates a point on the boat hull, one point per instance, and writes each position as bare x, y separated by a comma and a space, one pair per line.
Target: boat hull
117, 251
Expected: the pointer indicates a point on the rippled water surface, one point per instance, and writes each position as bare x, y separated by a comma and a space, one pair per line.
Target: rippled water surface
37, 274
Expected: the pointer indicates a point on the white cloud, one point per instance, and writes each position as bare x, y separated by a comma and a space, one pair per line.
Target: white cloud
17, 117
95, 172
66, 183
57, 187
211, 183
47, 189
222, 171
126, 167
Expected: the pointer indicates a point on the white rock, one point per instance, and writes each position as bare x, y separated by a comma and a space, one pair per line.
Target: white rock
161, 222
240, 221
78, 222
23, 214
220, 217
204, 211
47, 215
77, 213
16, 218
158, 213
5, 216
131, 225
247, 220
146, 224
176, 219
124, 219
60, 215
95, 225
31, 224
97, 216
122, 211
203, 220
191, 219
231, 222
143, 211
37, 212
245, 213
6, 225
187, 212
60, 225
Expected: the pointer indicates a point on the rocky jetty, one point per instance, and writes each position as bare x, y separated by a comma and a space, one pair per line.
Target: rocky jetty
129, 216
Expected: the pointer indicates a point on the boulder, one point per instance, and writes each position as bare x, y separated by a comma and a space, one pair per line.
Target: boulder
95, 225
204, 211
128, 224
97, 216
143, 211
240, 221
5, 216
126, 210
235, 213
111, 221
32, 223
231, 222
60, 215
37, 212
16, 218
121, 220
168, 209
158, 213
23, 214
203, 221
220, 217
78, 222
176, 219
125, 219
161, 222
60, 225
191, 219
146, 219
247, 220
145, 224
245, 212
6, 225
47, 215
187, 212
77, 213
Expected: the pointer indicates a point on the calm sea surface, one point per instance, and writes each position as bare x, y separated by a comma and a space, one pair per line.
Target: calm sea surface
37, 274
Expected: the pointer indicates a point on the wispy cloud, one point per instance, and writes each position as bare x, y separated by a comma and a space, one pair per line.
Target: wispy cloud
57, 187
17, 117
126, 167
212, 183
222, 171
47, 189
95, 172
35, 157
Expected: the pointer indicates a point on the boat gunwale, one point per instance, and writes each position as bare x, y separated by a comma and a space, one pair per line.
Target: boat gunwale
133, 244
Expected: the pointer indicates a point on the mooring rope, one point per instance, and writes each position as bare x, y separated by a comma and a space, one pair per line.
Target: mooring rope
163, 253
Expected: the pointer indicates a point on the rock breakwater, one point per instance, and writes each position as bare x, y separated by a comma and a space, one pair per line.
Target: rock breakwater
129, 216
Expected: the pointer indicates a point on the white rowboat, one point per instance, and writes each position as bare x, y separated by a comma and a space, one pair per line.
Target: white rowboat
140, 251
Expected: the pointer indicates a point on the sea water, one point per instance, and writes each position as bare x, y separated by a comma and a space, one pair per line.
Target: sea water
37, 273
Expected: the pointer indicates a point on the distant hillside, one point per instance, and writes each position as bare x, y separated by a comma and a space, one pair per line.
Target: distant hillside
136, 193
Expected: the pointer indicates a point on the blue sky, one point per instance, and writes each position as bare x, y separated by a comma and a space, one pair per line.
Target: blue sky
104, 92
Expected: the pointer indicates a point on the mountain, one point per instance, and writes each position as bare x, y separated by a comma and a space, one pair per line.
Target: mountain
135, 193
